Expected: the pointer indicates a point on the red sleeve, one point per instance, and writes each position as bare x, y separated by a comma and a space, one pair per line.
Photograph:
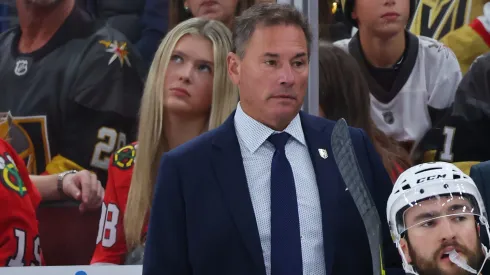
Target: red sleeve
396, 172
111, 241
19, 199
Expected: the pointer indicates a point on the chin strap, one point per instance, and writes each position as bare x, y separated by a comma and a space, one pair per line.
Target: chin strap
484, 222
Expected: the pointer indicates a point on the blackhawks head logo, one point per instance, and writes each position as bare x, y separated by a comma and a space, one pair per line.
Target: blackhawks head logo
9, 175
124, 158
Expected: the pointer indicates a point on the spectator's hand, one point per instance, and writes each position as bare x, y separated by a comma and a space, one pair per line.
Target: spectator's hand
83, 186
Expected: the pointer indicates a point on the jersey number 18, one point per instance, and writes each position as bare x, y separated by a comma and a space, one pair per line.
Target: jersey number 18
109, 219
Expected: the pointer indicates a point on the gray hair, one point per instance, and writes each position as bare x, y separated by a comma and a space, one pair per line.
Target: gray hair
267, 15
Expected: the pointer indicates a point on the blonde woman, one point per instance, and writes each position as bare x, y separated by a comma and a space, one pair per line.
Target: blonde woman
187, 93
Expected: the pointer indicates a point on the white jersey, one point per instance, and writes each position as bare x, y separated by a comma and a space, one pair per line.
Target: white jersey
425, 85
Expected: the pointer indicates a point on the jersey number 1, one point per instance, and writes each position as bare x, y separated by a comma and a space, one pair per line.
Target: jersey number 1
447, 154
18, 259
109, 219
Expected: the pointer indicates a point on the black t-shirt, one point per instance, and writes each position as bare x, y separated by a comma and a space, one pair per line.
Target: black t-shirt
76, 98
385, 77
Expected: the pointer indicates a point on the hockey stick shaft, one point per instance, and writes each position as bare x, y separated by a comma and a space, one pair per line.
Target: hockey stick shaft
348, 165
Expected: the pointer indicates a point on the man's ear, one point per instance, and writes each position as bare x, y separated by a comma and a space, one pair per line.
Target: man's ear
404, 247
233, 62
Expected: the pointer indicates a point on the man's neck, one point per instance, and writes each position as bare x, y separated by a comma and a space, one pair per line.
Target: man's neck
179, 130
39, 24
382, 52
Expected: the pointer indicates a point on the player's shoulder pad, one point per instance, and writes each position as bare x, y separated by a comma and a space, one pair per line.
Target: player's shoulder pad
125, 157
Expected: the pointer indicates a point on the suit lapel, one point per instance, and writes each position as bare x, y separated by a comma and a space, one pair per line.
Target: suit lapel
228, 166
317, 137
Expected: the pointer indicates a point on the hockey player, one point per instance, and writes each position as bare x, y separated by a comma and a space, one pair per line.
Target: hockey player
436, 216
73, 89
412, 79
19, 234
463, 26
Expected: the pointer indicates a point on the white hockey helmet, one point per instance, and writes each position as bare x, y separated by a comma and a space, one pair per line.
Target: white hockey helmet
426, 181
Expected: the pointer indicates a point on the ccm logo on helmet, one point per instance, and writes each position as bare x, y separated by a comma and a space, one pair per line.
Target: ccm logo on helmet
429, 178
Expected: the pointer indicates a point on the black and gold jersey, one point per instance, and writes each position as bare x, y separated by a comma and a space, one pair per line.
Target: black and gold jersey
464, 135
75, 100
437, 18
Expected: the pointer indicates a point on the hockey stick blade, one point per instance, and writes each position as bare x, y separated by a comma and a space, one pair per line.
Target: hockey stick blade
346, 160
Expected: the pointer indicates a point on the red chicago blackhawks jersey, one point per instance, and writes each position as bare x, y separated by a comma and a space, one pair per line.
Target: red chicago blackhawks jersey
111, 241
19, 199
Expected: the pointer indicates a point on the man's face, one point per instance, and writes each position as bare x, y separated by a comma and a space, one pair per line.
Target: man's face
436, 229
383, 17
272, 75
221, 10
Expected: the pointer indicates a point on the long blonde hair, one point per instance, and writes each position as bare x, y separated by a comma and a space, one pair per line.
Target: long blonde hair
151, 137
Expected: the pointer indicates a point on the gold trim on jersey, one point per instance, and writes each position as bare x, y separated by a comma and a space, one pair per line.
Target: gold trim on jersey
60, 164
27, 126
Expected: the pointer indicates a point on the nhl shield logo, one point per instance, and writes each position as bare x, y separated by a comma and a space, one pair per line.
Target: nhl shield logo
21, 67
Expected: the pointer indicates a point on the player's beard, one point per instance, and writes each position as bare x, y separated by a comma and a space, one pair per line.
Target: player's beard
424, 266
44, 3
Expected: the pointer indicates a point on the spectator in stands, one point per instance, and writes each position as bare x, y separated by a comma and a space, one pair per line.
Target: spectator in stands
194, 96
344, 93
412, 79
222, 10
81, 88
437, 220
449, 24
464, 136
21, 195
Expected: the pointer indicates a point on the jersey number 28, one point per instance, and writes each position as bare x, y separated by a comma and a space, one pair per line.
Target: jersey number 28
110, 141
108, 225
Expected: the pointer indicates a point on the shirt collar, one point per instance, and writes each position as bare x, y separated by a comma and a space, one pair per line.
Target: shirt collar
254, 134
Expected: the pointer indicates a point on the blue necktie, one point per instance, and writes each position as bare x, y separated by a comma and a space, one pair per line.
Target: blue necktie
285, 236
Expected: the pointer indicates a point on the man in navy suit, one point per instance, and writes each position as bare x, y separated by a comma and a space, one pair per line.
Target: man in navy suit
259, 195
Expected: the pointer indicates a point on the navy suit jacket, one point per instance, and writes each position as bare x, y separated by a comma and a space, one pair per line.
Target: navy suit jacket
202, 220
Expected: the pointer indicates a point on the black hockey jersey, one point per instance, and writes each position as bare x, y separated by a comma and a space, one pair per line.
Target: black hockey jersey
75, 100
465, 134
